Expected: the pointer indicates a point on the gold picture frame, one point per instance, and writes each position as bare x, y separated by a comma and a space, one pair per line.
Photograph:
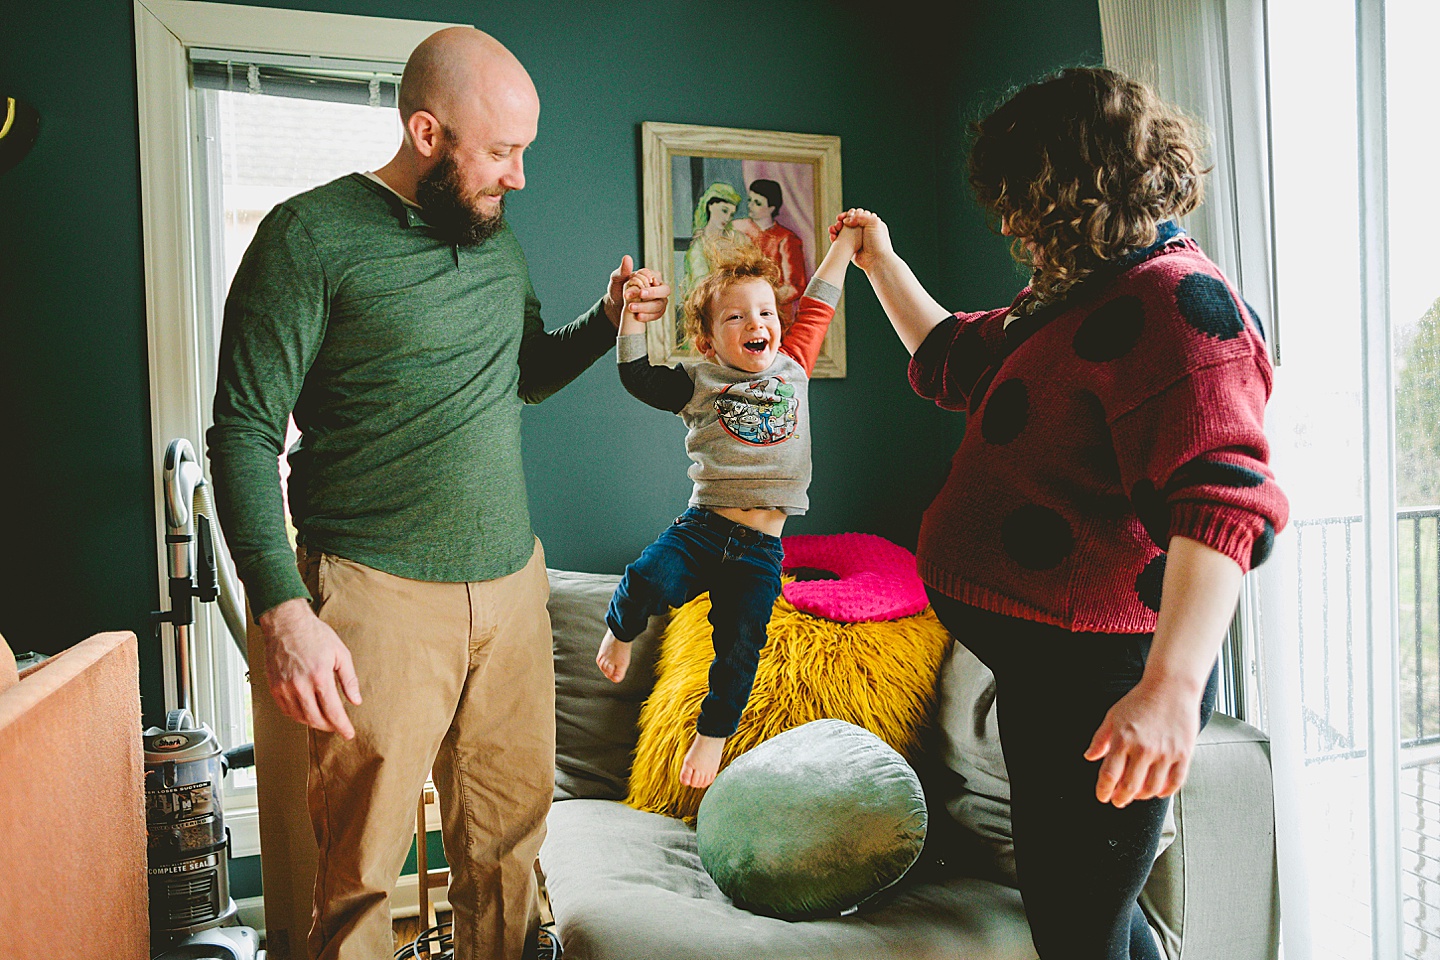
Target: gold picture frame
694, 164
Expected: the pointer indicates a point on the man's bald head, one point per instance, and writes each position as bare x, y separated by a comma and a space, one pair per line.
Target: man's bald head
464, 77
470, 112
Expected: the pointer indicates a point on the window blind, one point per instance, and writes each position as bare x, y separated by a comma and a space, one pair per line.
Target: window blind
310, 78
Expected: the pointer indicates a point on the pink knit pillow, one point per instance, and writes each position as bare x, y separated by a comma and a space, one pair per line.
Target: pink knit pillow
874, 579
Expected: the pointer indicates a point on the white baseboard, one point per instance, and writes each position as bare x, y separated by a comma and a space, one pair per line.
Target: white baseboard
252, 913
404, 902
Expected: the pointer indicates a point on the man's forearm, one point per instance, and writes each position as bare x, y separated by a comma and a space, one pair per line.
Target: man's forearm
245, 470
551, 359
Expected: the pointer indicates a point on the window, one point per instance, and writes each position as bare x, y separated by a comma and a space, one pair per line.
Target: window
1320, 209
193, 60
262, 136
1351, 605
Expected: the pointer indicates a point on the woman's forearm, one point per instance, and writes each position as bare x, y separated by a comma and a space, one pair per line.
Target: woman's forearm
912, 311
1197, 601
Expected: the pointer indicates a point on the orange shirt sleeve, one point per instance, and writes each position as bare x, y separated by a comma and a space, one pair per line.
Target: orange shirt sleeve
803, 339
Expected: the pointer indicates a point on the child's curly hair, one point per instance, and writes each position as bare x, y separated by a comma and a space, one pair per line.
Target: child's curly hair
730, 263
1083, 166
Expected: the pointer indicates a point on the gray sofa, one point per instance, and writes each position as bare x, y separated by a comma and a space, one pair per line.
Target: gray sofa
627, 885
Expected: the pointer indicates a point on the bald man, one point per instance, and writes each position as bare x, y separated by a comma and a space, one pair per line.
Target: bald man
392, 314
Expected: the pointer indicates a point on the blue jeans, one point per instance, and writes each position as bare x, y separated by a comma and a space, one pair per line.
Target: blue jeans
740, 566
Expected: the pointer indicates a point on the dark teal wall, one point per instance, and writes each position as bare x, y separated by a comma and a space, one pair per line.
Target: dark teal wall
1003, 46
606, 473
76, 490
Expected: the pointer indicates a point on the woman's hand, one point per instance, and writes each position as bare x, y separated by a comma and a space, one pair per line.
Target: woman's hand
1146, 741
1148, 736
874, 236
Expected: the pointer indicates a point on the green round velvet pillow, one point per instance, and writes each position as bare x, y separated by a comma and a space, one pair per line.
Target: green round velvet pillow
812, 822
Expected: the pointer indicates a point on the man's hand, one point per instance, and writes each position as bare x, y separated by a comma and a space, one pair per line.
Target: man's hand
1146, 740
652, 300
303, 659
874, 236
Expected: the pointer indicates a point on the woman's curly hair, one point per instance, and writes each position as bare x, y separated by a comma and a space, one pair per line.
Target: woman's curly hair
730, 263
1081, 168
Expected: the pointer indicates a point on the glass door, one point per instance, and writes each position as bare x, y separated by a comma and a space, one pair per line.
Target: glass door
1350, 604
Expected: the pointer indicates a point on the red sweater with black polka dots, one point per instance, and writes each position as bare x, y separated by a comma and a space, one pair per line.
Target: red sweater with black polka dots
1099, 428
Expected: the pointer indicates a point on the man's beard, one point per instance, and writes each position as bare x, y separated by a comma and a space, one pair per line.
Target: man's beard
450, 212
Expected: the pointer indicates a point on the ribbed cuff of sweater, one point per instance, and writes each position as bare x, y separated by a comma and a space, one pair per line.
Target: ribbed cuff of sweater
272, 581
630, 346
824, 291
1226, 529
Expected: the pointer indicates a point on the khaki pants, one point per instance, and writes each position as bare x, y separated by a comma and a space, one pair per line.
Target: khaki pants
454, 676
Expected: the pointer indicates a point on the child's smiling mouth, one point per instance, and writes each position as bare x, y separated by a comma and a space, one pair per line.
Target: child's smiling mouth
758, 345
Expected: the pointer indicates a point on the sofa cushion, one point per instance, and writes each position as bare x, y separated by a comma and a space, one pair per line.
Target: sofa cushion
877, 675
626, 885
1215, 892
812, 822
977, 798
595, 720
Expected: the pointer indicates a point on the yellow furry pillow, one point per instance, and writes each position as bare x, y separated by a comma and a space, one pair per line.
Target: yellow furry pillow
879, 675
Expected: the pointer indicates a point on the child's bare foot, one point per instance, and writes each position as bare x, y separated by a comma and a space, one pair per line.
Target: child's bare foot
614, 657
702, 762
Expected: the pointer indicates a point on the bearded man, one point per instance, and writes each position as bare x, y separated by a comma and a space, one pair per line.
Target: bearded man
392, 313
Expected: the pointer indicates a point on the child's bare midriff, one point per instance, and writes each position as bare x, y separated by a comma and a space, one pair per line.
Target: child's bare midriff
769, 520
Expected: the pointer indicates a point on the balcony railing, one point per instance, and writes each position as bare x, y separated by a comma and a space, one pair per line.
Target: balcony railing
1331, 601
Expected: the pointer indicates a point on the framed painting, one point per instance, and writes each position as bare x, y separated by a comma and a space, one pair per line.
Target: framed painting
705, 186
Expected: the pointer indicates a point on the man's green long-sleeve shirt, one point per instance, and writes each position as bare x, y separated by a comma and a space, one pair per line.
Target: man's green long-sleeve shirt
405, 360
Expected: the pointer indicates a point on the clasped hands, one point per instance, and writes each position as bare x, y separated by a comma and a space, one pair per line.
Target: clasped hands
640, 294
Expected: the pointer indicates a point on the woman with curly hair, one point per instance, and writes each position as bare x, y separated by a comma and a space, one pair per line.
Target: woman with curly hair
1111, 489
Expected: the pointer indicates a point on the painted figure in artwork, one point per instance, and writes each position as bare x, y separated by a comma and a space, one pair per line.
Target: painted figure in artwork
779, 243
713, 227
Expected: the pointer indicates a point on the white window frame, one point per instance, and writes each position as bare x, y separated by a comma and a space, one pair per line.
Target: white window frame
181, 347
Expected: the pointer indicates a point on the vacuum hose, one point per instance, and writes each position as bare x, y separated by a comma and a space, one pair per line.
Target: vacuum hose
230, 599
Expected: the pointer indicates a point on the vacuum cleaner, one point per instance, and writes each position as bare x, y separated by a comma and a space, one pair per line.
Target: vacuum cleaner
192, 915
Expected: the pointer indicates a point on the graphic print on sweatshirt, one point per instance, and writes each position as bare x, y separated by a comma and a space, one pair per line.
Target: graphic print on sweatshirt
759, 412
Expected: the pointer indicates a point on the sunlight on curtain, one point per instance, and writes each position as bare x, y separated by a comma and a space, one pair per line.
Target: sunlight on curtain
1337, 642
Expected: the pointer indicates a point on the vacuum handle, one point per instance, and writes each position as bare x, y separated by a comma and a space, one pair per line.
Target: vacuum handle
206, 589
238, 758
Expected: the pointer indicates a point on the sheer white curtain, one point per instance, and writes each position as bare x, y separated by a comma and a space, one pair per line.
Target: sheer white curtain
1209, 58
1313, 106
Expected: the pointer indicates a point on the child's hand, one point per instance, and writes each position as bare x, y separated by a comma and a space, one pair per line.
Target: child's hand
642, 299
632, 295
648, 304
846, 240
874, 236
